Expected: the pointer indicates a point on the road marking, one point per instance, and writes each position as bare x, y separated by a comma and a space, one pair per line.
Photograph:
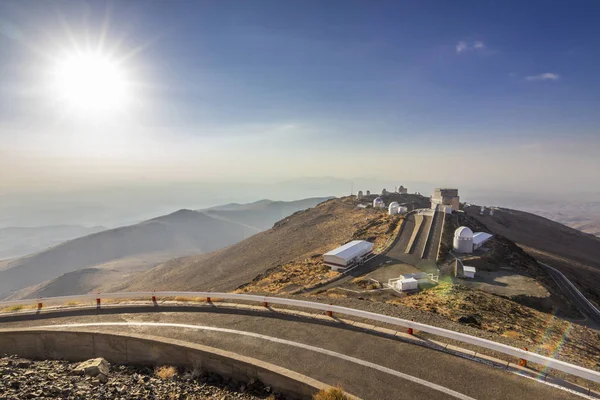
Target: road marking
358, 361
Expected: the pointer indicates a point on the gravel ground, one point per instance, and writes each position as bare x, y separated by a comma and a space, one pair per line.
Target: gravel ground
25, 379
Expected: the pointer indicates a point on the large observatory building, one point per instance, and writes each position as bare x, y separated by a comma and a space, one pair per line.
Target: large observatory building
447, 198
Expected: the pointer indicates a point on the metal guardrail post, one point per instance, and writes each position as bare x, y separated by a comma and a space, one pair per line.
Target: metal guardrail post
523, 362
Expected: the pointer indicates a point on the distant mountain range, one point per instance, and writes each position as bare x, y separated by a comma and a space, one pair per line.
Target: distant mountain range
20, 241
98, 260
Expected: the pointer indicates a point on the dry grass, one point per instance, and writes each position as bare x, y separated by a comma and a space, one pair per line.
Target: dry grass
333, 393
294, 274
166, 372
15, 308
511, 334
195, 299
18, 307
540, 332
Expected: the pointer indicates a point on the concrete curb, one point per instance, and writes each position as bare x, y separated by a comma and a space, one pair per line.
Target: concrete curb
352, 324
140, 349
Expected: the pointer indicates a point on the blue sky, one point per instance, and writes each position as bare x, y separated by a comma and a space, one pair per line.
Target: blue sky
283, 89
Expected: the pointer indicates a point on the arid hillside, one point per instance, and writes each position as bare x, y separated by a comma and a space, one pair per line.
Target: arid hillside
97, 262
180, 233
20, 241
261, 214
302, 235
575, 253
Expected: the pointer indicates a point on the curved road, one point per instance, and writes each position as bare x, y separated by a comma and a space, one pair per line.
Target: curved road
585, 306
364, 364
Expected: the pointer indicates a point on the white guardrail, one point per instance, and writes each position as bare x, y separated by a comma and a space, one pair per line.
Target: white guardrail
488, 344
581, 296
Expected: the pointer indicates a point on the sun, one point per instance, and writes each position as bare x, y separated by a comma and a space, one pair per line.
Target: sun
90, 81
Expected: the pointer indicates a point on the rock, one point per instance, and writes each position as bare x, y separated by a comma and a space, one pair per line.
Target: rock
21, 363
93, 367
470, 320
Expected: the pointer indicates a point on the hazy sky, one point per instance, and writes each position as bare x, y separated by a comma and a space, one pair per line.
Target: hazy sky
499, 93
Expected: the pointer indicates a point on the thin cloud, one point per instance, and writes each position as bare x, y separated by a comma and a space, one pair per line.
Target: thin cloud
463, 46
460, 47
548, 76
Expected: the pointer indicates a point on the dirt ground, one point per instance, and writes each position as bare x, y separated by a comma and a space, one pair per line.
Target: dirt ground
505, 282
391, 271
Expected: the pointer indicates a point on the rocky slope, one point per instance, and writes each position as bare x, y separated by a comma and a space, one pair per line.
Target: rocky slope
24, 379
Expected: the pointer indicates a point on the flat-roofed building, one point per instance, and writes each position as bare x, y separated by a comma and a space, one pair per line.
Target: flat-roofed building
348, 255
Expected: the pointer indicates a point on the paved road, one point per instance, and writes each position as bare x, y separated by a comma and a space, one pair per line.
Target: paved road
431, 250
581, 302
367, 365
421, 239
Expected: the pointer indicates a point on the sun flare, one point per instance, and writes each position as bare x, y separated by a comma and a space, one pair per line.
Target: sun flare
90, 81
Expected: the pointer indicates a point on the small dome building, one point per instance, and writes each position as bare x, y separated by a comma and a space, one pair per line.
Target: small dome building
463, 240
384, 192
393, 207
368, 192
359, 195
378, 203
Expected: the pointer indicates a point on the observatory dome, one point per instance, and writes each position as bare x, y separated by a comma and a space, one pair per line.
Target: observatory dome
378, 202
464, 233
393, 207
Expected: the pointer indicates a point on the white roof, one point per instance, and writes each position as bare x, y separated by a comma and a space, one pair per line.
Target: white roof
414, 275
480, 237
394, 204
378, 199
469, 269
351, 249
463, 232
408, 280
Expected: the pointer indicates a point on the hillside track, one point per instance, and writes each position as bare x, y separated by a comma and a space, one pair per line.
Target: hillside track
435, 234
586, 307
421, 239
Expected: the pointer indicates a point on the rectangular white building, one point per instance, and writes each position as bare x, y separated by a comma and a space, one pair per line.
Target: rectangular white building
420, 277
479, 238
469, 272
347, 255
408, 284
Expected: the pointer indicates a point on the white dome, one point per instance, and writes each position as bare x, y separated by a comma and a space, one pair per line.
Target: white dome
463, 232
394, 204
378, 200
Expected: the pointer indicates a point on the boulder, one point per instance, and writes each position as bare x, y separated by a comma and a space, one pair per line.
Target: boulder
472, 320
95, 367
